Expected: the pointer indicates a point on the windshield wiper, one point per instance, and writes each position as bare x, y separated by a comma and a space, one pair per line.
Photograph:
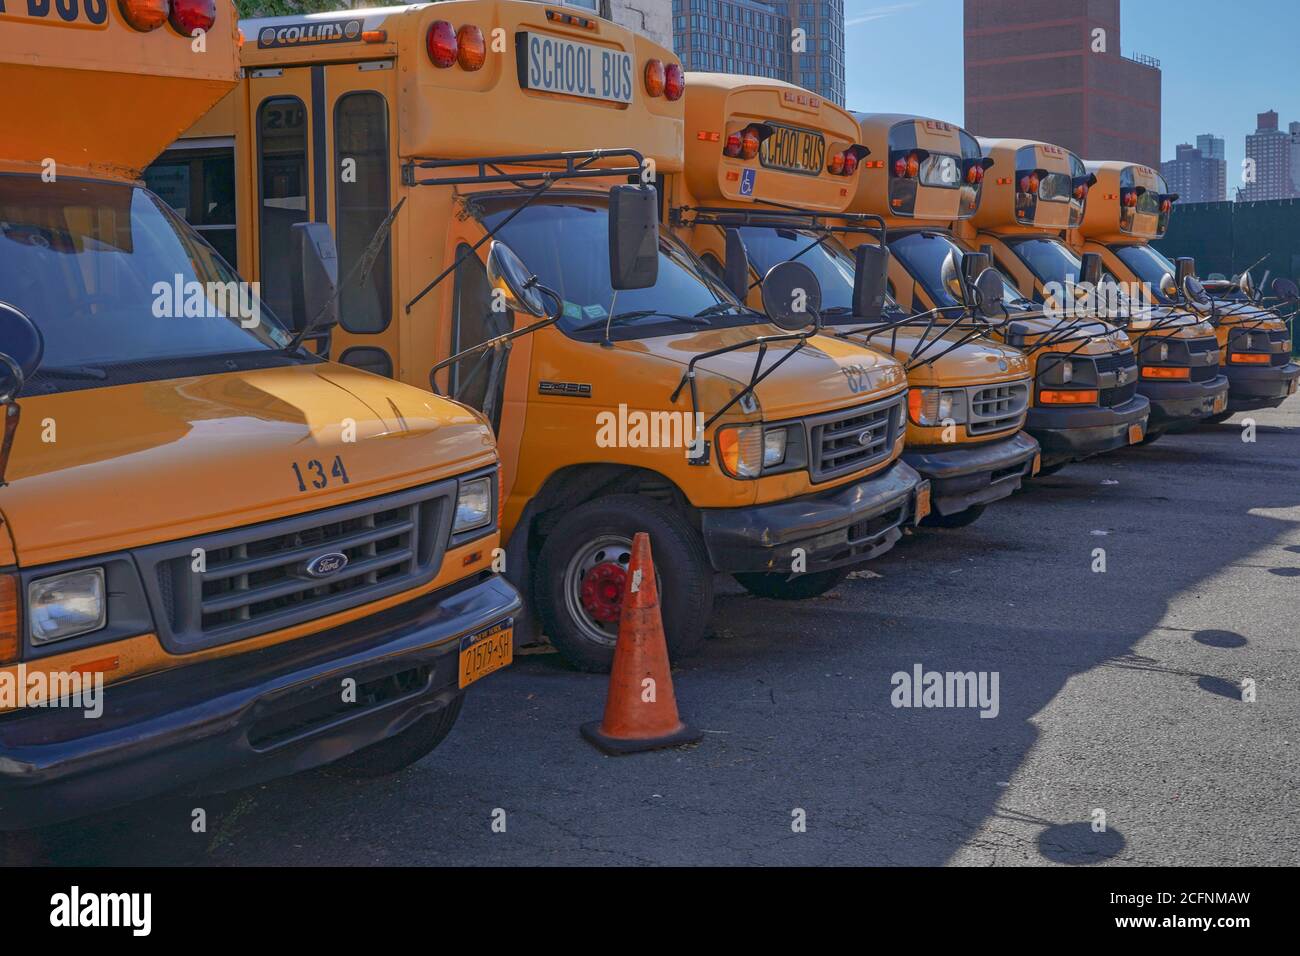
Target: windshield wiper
720, 308
72, 371
637, 314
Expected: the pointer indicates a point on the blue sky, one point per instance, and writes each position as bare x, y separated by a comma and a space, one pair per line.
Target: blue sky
1222, 62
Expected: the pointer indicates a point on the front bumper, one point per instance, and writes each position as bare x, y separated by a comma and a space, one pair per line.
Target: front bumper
1251, 386
239, 720
846, 525
962, 476
1175, 403
1072, 432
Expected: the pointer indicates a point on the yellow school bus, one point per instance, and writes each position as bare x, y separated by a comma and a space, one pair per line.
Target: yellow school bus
1022, 218
508, 132
1129, 206
926, 178
784, 198
239, 559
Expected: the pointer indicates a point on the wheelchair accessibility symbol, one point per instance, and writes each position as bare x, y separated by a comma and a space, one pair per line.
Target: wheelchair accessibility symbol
747, 177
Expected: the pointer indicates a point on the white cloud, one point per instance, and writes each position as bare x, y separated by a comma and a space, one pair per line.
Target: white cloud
879, 13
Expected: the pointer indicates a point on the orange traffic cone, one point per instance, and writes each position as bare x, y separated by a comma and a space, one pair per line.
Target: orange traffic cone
641, 709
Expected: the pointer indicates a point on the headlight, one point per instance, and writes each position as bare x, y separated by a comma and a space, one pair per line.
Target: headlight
934, 406
473, 505
1164, 351
774, 442
65, 605
741, 450
1067, 372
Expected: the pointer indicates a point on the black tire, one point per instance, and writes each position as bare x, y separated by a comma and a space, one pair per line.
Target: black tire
783, 587
1218, 419
399, 752
958, 520
681, 564
1051, 469
1150, 438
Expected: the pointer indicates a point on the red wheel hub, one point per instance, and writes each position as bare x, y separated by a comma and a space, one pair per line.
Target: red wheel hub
602, 591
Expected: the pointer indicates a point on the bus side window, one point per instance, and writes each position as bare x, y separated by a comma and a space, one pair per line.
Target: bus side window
361, 203
282, 176
473, 322
200, 185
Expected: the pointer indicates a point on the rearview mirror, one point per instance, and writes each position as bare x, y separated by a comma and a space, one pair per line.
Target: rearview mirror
314, 284
1184, 266
1090, 269
508, 275
1286, 289
1168, 287
633, 237
21, 348
988, 293
792, 296
870, 279
735, 271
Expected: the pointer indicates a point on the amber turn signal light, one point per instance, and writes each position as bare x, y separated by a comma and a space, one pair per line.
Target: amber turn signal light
1156, 371
1078, 396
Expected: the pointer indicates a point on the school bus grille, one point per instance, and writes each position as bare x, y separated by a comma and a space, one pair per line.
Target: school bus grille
237, 584
995, 408
1204, 355
852, 438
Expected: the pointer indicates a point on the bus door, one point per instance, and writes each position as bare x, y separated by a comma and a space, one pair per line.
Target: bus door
324, 152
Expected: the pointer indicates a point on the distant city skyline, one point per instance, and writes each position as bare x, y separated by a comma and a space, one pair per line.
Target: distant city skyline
1218, 71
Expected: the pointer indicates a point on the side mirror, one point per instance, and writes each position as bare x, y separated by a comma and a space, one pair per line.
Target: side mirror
870, 280
1168, 287
952, 281
1247, 285
1285, 289
506, 272
735, 271
1090, 269
1194, 293
1185, 266
314, 285
792, 296
21, 349
633, 237
988, 293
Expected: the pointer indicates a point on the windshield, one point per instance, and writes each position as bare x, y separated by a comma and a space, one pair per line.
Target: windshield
1050, 260
562, 239
923, 253
110, 275
828, 259
1149, 266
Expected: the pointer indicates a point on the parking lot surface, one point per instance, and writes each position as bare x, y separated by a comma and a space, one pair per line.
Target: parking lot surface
1119, 692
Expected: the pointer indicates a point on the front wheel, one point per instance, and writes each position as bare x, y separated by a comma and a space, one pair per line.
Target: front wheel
400, 751
1218, 419
790, 587
958, 520
1051, 469
1151, 437
583, 566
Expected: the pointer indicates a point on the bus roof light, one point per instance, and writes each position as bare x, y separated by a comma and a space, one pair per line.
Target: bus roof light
836, 166
471, 50
144, 15
850, 162
913, 165
733, 145
749, 143
441, 44
190, 15
654, 77
674, 82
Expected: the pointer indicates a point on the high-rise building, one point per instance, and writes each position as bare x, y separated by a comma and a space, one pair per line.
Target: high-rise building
1053, 70
1195, 176
1267, 173
1211, 146
1294, 130
799, 41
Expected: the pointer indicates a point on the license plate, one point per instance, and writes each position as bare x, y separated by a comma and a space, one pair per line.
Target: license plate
1038, 464
1135, 433
487, 651
555, 65
1220, 403
1291, 391
795, 149
57, 13
922, 501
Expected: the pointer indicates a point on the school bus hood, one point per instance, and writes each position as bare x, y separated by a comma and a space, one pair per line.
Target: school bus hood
825, 374
137, 464
977, 362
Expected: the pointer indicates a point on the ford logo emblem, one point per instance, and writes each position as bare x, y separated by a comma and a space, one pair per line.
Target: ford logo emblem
864, 438
324, 565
